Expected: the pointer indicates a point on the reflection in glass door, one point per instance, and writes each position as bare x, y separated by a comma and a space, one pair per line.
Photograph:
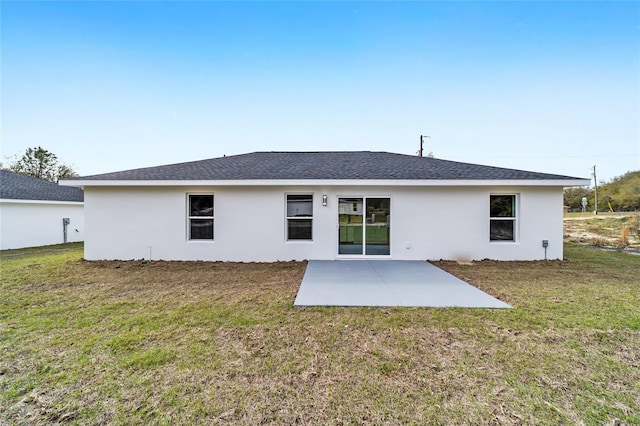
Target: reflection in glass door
350, 211
363, 226
377, 226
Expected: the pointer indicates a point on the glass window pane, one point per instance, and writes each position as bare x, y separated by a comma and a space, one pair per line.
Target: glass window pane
299, 205
378, 210
502, 206
377, 229
501, 230
201, 205
350, 212
201, 229
299, 229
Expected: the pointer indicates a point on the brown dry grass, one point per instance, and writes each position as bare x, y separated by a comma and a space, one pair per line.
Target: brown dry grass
620, 230
220, 343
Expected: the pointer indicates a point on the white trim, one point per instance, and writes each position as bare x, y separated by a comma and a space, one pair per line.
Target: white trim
332, 182
287, 218
69, 203
189, 218
515, 219
364, 229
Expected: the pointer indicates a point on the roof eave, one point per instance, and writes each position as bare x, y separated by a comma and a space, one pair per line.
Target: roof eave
563, 182
21, 201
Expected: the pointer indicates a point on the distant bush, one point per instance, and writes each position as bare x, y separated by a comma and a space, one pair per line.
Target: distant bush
573, 197
622, 193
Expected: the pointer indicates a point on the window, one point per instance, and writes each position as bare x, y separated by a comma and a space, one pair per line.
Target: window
502, 213
200, 217
299, 217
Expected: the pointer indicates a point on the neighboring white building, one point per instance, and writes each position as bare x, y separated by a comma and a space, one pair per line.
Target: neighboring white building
32, 212
270, 206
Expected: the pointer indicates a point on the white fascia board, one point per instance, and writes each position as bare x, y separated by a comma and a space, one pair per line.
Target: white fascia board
329, 182
68, 203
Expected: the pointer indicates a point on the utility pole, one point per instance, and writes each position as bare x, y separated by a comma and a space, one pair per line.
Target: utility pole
422, 145
595, 183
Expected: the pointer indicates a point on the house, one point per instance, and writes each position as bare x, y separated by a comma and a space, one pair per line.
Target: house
36, 212
270, 206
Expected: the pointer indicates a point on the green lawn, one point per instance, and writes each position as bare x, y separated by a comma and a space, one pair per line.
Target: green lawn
220, 343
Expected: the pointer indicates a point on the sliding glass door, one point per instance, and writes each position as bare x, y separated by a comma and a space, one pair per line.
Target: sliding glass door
363, 226
377, 226
350, 232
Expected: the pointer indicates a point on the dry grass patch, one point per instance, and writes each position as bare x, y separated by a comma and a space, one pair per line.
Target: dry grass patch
220, 343
620, 230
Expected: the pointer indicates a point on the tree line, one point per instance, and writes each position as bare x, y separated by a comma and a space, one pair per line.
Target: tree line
42, 164
622, 193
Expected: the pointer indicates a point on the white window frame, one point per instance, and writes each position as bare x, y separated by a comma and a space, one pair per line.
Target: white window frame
190, 218
287, 218
514, 219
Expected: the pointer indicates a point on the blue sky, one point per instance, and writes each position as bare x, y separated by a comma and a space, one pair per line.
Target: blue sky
545, 86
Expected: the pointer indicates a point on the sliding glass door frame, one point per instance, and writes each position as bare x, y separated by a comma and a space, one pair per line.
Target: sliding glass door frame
363, 226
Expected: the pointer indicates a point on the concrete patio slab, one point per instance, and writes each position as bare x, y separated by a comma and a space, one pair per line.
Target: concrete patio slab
410, 283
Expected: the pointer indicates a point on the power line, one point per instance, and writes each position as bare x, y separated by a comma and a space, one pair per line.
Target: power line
543, 156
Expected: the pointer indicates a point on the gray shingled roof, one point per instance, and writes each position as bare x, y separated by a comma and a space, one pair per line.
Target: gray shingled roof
323, 166
15, 186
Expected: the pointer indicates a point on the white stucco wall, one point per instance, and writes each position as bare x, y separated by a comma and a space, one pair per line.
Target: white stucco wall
39, 223
426, 223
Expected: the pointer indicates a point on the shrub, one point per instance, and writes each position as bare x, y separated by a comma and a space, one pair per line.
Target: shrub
624, 236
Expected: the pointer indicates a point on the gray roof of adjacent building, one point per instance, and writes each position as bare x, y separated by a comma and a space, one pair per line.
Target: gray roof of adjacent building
327, 165
16, 186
